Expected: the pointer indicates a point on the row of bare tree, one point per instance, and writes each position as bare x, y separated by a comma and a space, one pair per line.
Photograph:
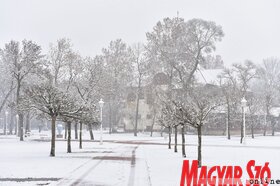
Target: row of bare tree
180, 49
62, 85
259, 84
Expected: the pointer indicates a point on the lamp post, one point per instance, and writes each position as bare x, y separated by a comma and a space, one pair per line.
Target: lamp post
6, 121
101, 103
16, 125
243, 105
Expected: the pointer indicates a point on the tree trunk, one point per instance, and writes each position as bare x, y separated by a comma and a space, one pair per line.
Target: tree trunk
27, 124
6, 97
76, 130
241, 138
153, 123
242, 135
69, 137
273, 123
175, 145
137, 108
11, 123
16, 127
81, 129
65, 130
264, 130
20, 115
169, 137
110, 117
90, 131
183, 142
20, 120
252, 130
41, 125
114, 115
53, 136
265, 121
199, 154
228, 122
5, 124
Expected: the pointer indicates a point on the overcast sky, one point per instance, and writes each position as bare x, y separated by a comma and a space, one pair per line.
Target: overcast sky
252, 27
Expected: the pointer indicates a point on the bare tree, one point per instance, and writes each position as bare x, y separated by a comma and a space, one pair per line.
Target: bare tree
182, 45
269, 74
230, 90
140, 66
166, 119
22, 63
118, 65
195, 109
71, 111
255, 105
76, 129
59, 55
48, 100
245, 74
212, 62
90, 85
7, 82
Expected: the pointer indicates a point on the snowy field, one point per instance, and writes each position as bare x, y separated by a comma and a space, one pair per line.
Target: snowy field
124, 159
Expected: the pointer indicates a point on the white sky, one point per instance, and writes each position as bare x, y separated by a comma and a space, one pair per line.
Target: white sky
252, 27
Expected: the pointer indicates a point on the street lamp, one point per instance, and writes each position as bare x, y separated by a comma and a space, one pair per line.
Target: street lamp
5, 125
243, 105
101, 103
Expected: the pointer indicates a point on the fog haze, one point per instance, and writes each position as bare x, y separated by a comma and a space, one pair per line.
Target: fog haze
251, 27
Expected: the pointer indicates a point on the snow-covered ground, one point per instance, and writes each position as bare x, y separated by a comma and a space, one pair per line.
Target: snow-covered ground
124, 159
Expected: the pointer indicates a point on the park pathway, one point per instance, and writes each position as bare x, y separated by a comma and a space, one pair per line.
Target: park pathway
122, 165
